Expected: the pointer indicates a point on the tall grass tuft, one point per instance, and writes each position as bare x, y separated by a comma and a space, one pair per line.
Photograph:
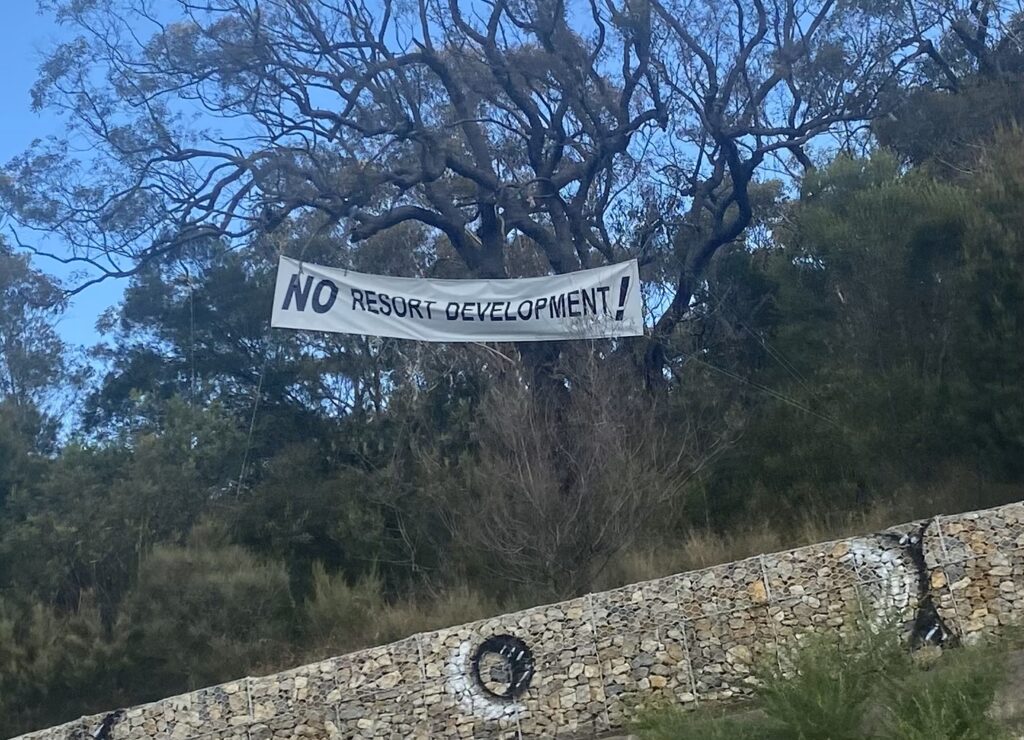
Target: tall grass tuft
866, 687
949, 702
340, 616
826, 686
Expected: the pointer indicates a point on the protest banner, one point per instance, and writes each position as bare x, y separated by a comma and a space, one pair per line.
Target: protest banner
589, 304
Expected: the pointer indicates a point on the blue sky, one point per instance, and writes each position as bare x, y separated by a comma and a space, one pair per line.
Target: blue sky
24, 35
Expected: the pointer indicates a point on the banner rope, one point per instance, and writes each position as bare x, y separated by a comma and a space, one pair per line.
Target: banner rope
267, 336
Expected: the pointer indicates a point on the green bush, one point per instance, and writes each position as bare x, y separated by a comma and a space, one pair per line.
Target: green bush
53, 666
864, 688
825, 689
203, 614
948, 702
339, 616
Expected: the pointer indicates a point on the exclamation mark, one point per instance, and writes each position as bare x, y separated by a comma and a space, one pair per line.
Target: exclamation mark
623, 292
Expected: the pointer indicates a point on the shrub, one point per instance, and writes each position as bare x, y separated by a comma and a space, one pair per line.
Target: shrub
203, 614
339, 616
53, 666
947, 702
825, 691
864, 688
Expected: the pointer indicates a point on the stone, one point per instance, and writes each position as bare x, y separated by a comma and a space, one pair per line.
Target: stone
643, 660
739, 653
758, 593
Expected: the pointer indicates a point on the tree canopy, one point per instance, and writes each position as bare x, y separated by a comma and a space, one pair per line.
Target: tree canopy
524, 137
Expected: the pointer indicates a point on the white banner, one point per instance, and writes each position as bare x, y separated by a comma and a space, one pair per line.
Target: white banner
590, 304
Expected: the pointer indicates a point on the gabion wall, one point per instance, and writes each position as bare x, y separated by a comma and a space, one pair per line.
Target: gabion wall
583, 666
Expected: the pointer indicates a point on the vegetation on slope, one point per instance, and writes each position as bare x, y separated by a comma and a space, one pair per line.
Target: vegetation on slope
839, 344
867, 686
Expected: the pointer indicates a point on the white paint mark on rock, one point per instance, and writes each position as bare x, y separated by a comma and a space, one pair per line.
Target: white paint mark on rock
892, 582
472, 698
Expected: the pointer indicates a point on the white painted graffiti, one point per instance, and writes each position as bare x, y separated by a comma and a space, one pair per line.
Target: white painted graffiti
473, 698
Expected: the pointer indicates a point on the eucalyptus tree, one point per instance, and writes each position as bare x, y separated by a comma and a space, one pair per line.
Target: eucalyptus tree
561, 135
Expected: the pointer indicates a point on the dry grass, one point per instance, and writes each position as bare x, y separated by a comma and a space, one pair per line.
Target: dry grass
340, 618
453, 607
345, 618
702, 548
957, 491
